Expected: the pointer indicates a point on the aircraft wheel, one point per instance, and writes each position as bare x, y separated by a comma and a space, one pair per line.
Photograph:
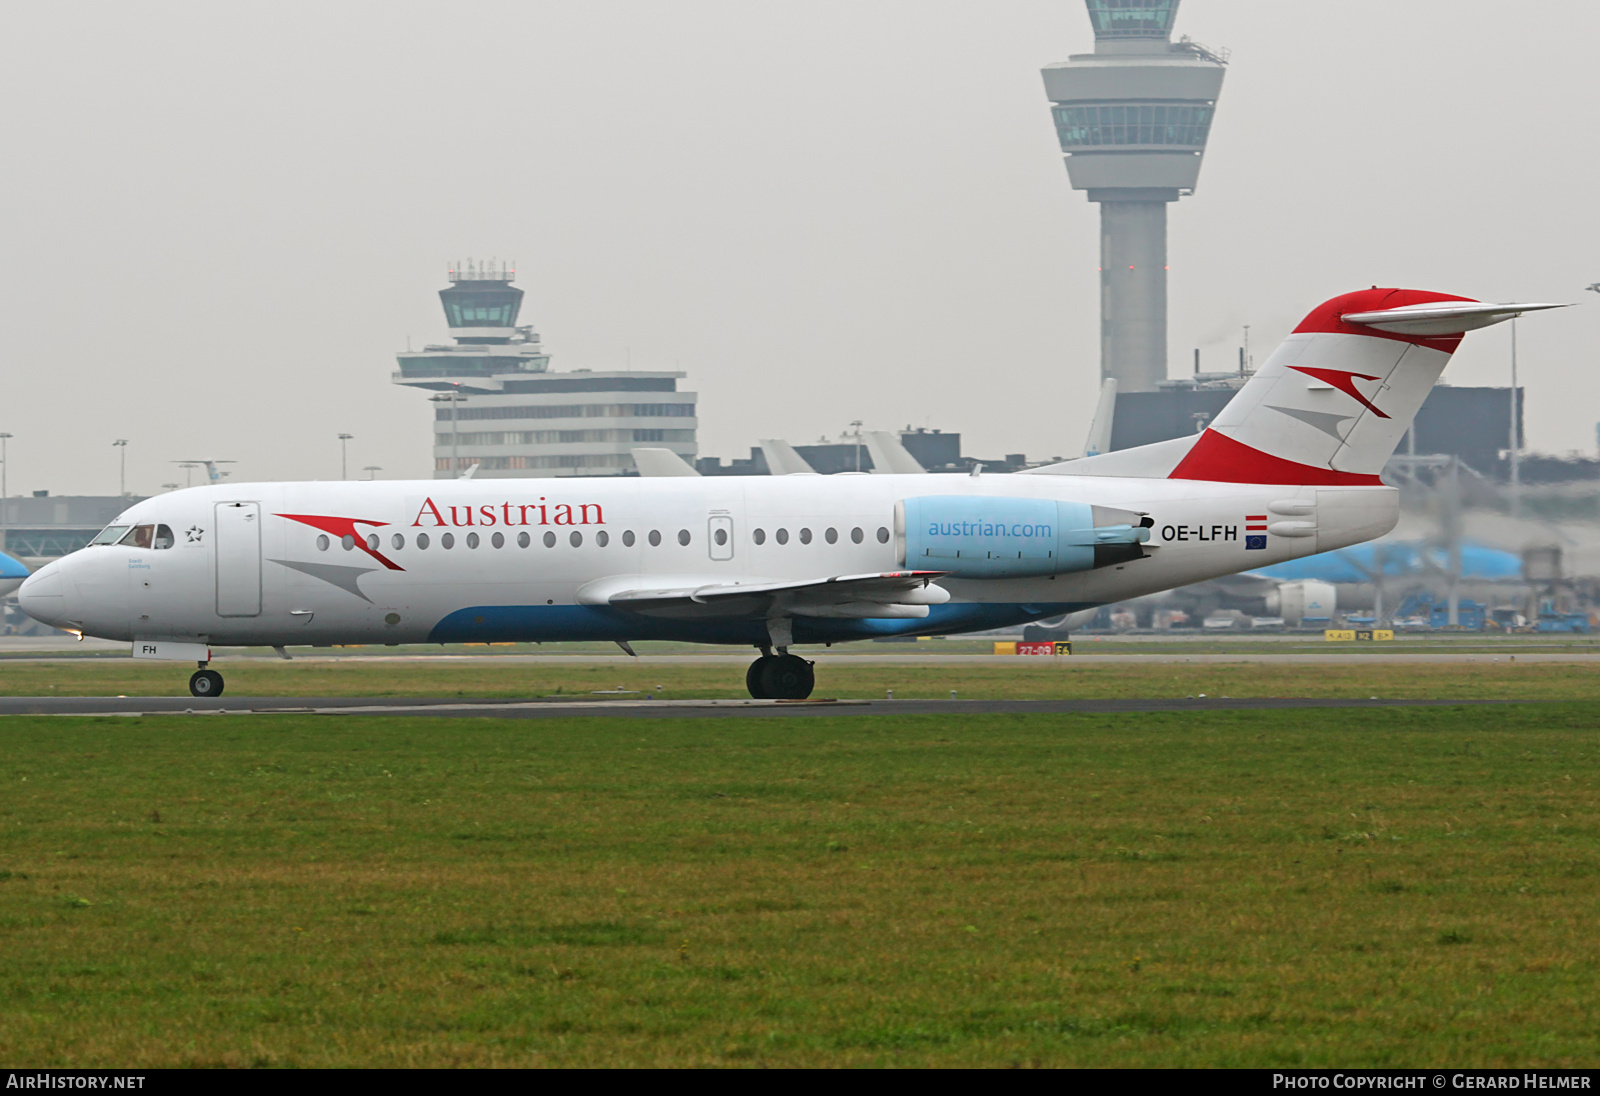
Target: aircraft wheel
752, 678
206, 683
787, 677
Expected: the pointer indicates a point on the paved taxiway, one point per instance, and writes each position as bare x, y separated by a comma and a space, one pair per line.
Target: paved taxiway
455, 707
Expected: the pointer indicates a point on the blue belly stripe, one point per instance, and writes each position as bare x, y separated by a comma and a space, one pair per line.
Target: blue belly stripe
558, 623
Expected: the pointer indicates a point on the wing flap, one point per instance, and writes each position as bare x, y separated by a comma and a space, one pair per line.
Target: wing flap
895, 592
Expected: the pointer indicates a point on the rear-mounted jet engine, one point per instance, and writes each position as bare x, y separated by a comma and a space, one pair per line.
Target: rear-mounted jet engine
978, 536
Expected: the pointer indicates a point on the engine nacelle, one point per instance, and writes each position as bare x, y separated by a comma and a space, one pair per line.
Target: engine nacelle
982, 536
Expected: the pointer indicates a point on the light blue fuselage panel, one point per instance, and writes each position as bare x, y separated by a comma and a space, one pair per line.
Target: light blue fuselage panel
993, 537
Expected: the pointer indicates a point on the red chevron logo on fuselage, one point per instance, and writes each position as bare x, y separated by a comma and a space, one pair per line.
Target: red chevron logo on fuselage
345, 527
1344, 382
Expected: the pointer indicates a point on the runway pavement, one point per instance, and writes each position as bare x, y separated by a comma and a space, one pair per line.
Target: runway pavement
455, 707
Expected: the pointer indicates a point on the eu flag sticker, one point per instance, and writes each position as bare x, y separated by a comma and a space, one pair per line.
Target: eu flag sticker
1254, 542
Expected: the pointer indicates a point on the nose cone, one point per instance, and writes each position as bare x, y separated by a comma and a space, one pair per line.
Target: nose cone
43, 595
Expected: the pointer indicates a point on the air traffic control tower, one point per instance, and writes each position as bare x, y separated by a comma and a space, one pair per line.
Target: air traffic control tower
1133, 117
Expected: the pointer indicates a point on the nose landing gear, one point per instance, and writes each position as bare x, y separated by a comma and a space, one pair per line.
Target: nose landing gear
780, 677
205, 683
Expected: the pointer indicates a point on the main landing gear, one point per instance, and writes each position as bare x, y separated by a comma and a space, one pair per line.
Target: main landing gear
205, 683
780, 676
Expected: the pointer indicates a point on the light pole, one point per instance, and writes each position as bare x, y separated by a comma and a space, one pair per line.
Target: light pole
1516, 462
372, 471
121, 445
344, 450
169, 486
857, 424
5, 492
452, 397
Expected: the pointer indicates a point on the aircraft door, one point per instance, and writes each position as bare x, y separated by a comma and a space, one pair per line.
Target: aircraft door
720, 538
237, 537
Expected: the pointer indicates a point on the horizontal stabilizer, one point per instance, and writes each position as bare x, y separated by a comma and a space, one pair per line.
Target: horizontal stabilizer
1441, 317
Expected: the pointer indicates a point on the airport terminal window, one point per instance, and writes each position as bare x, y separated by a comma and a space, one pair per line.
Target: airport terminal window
805, 536
759, 536
576, 539
523, 540
472, 540
602, 538
627, 538
883, 535
781, 536
110, 534
549, 540
831, 536
1131, 18
567, 411
655, 538
422, 541
323, 542
447, 540
490, 309
1182, 124
856, 535
498, 540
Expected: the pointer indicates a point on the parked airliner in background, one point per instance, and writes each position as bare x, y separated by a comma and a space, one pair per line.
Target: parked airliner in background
12, 572
1289, 468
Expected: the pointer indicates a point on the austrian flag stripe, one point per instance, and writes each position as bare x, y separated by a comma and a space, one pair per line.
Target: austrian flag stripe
1255, 523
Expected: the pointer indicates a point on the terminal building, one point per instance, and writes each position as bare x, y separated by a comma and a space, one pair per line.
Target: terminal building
43, 526
499, 406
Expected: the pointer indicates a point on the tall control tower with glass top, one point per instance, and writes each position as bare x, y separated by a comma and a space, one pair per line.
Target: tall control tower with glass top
1133, 118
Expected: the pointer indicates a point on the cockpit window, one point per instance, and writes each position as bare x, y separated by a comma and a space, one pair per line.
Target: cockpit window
140, 536
110, 534
143, 536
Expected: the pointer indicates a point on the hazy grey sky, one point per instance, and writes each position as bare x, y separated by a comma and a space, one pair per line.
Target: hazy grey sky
221, 220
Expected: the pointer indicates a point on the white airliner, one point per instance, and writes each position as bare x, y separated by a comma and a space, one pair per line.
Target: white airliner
1289, 468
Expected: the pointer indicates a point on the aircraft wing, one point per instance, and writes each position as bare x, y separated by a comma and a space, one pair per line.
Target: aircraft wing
892, 594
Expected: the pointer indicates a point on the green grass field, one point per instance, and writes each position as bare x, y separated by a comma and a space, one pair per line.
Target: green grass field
859, 678
1404, 886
